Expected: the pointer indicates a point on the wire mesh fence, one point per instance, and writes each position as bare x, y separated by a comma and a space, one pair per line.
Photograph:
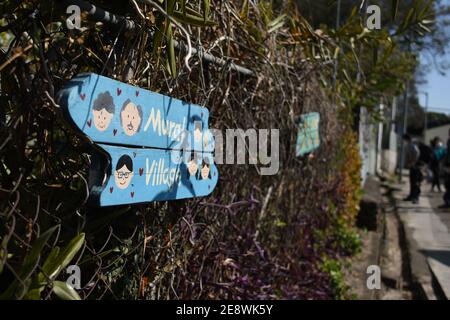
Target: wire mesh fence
255, 237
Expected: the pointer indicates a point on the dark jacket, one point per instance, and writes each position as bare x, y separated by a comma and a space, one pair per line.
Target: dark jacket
412, 155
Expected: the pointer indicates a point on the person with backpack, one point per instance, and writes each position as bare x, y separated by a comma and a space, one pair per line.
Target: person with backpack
413, 163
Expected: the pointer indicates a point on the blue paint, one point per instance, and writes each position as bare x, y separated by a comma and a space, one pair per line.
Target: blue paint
155, 175
148, 147
133, 116
308, 138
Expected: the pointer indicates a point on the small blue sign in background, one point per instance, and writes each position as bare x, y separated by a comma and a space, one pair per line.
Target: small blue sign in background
308, 138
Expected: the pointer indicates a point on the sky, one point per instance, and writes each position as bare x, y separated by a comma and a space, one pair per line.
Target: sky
438, 87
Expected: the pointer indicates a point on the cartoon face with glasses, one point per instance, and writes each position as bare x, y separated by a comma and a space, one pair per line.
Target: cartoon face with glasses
124, 172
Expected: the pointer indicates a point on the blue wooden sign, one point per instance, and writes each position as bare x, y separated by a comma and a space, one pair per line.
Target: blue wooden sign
308, 138
149, 147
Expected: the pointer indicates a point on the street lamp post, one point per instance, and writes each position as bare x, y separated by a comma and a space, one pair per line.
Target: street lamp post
404, 129
425, 118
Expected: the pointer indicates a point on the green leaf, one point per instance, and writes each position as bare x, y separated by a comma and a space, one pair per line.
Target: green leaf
244, 11
38, 284
206, 9
171, 53
193, 12
158, 36
426, 9
28, 266
56, 264
51, 260
394, 9
171, 6
276, 24
64, 291
183, 6
32, 259
192, 20
408, 18
35, 292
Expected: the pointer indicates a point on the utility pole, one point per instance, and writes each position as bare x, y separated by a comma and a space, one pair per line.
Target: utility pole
338, 23
425, 118
403, 131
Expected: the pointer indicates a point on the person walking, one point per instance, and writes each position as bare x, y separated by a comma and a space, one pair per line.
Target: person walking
446, 169
435, 164
412, 155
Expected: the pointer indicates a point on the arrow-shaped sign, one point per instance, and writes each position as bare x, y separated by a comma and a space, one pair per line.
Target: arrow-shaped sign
150, 147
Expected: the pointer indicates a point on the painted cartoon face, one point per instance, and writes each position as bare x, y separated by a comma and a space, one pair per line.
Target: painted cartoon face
102, 119
197, 131
131, 118
123, 177
205, 171
192, 166
205, 141
124, 172
197, 135
103, 110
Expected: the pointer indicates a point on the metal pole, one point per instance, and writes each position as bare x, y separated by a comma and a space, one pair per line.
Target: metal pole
425, 125
338, 23
403, 131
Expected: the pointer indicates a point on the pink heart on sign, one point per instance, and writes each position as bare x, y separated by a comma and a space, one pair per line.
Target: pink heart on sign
114, 131
82, 96
137, 93
132, 194
119, 91
111, 189
141, 171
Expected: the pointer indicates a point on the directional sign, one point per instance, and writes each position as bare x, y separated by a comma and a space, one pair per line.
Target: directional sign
308, 138
150, 147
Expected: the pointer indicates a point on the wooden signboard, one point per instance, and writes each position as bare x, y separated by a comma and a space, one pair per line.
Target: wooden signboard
150, 147
308, 138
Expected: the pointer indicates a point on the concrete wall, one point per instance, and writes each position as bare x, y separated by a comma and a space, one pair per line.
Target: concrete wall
378, 142
389, 160
389, 153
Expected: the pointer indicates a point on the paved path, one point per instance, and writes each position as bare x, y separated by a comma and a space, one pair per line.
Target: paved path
427, 231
